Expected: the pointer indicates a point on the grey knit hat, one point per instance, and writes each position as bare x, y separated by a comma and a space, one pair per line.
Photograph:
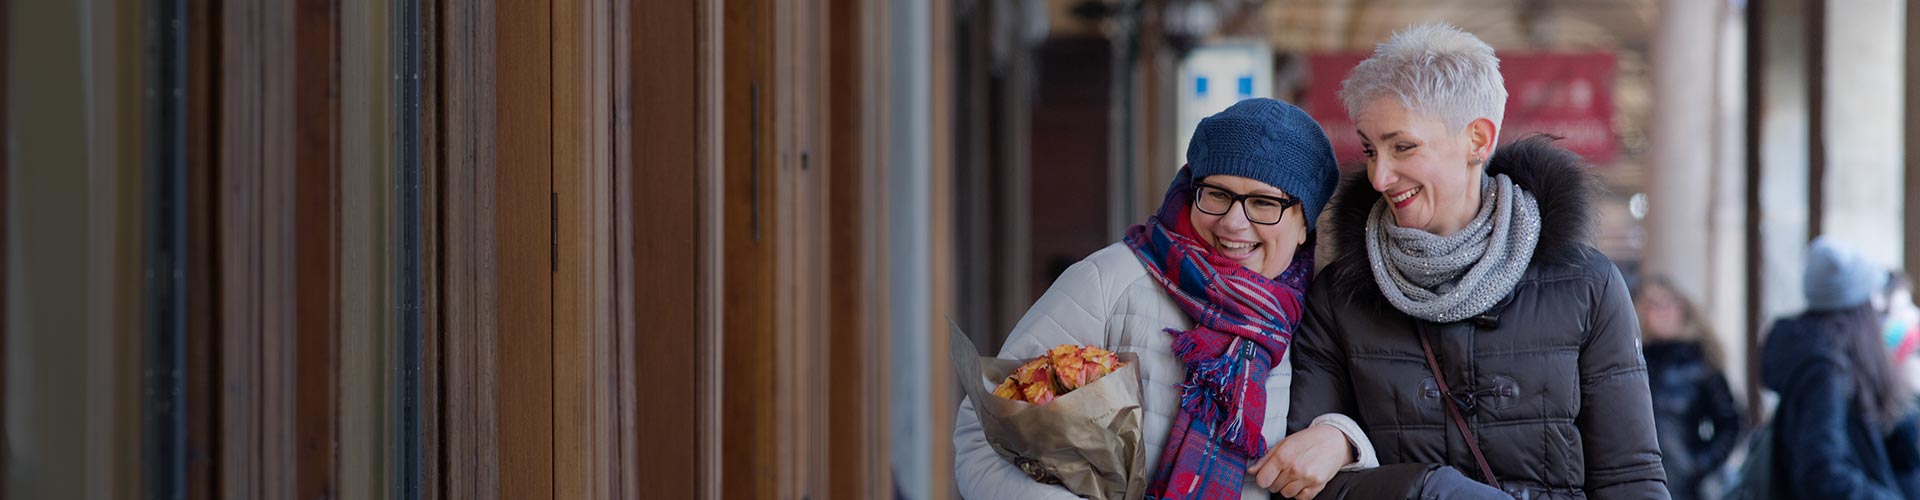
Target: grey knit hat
1271, 142
1839, 276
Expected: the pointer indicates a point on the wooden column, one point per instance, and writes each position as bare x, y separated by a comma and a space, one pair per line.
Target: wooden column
203, 384
467, 297
855, 343
435, 356
945, 400
313, 342
239, 221
660, 241
278, 176
523, 211
748, 230
5, 138
584, 414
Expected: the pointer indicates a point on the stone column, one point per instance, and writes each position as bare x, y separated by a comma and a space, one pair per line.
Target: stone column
1783, 155
1725, 300
910, 405
1864, 125
1681, 160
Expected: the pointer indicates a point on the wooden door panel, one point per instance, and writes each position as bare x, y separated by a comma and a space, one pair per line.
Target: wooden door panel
663, 234
524, 217
747, 230
584, 440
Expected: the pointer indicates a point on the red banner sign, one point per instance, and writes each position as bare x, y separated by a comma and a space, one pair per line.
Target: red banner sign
1564, 94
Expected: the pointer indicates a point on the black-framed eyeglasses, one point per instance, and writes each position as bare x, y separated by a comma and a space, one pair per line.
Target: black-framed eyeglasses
1259, 208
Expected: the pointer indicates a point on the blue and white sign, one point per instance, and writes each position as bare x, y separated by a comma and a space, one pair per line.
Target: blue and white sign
1214, 77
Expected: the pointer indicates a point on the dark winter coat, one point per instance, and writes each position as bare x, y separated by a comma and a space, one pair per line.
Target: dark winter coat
1556, 385
1827, 446
1693, 408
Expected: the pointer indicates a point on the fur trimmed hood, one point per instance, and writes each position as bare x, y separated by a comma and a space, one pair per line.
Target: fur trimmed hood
1558, 179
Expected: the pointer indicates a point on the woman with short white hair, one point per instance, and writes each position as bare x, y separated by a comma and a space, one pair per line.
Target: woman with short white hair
1465, 320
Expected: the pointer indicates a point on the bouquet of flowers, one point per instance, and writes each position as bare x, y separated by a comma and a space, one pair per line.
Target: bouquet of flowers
1069, 417
1060, 371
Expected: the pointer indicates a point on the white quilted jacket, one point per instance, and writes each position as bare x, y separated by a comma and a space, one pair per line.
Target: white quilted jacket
1108, 300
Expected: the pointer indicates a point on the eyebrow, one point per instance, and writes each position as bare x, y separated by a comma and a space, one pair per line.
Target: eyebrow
1383, 137
1263, 191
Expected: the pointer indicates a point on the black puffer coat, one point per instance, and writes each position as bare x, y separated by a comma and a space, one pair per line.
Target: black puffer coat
1827, 447
1694, 410
1559, 390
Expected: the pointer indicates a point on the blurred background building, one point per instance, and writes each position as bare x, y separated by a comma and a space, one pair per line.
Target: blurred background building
710, 248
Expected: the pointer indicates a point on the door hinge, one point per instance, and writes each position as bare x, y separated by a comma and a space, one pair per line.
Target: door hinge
553, 230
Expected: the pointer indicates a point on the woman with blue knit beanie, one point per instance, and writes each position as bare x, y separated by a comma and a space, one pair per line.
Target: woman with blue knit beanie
1845, 428
1466, 321
1207, 292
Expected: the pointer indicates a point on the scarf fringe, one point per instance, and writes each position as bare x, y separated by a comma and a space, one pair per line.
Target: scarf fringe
1218, 388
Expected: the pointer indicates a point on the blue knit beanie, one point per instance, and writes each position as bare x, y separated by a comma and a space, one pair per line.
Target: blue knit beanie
1271, 142
1839, 276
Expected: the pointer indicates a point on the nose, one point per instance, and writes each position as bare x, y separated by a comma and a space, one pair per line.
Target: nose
1380, 175
1235, 218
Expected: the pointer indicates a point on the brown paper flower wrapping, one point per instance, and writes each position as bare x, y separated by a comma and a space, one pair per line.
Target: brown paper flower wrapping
1087, 440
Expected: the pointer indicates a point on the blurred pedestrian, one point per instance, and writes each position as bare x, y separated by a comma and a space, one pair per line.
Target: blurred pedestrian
1693, 408
1901, 328
1845, 427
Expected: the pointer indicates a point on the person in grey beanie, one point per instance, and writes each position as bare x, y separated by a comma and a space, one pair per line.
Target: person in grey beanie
1839, 276
1213, 279
1844, 427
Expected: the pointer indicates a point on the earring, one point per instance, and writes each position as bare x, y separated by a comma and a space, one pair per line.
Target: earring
1474, 162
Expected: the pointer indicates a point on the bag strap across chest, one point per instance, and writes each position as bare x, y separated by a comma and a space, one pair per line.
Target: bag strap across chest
1453, 410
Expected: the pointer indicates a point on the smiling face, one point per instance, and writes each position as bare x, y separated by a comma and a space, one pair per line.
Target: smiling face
1266, 249
1426, 173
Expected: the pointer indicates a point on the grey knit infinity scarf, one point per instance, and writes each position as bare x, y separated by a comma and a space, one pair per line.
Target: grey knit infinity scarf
1449, 278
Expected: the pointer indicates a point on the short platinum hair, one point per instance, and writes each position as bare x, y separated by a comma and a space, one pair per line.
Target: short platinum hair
1436, 70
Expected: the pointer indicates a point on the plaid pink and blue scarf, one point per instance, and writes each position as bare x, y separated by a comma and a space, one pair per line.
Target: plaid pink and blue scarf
1243, 323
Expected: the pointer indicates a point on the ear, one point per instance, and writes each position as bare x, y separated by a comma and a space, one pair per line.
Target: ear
1481, 134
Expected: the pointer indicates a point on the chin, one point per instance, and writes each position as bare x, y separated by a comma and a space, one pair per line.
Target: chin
1410, 221
1417, 216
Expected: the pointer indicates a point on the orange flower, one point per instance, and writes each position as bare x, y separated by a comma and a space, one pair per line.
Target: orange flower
1077, 366
1107, 360
1008, 389
1069, 366
1040, 390
1015, 387
1036, 369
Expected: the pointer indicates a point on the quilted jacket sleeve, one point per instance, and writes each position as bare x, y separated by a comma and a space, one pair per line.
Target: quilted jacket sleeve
1616, 416
1320, 383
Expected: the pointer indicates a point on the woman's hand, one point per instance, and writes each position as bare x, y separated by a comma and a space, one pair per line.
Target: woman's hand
1300, 465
